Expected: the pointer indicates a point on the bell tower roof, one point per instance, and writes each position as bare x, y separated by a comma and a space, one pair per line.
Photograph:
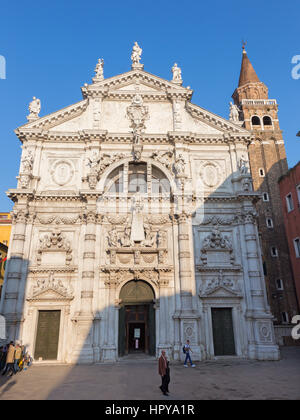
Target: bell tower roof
247, 74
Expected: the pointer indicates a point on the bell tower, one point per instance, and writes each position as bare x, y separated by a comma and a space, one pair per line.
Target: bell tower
268, 163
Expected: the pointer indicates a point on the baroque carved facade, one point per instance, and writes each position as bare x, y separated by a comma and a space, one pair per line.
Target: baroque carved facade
136, 198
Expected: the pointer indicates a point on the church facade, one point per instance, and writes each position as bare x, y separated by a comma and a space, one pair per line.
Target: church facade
135, 229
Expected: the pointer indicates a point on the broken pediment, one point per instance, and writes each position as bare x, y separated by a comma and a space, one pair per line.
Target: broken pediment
50, 289
220, 292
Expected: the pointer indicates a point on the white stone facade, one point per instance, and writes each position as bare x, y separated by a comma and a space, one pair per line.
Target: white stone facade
81, 230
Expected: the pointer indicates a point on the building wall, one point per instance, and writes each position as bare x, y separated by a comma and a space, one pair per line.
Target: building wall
267, 153
5, 228
72, 247
290, 184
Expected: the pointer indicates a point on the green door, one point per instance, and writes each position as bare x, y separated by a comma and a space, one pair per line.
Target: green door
122, 331
223, 331
151, 327
46, 345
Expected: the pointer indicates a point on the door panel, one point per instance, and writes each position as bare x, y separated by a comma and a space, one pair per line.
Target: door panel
223, 331
47, 335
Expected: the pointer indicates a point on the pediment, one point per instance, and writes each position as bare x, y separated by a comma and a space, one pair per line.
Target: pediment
146, 82
77, 119
221, 292
50, 294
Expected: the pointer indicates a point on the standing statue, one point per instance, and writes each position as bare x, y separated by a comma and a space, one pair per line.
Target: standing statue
27, 162
234, 112
99, 71
137, 223
93, 161
136, 54
176, 74
180, 166
34, 108
243, 165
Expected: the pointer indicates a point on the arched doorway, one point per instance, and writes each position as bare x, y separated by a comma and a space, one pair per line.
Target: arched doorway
136, 318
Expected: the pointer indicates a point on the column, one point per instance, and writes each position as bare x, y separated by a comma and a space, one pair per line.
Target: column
259, 316
84, 351
184, 257
13, 275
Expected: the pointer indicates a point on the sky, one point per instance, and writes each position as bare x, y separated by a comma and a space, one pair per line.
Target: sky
51, 49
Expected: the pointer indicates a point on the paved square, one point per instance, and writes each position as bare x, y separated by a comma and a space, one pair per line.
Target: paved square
138, 380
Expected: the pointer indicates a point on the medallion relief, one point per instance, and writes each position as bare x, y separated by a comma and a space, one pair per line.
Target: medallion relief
62, 172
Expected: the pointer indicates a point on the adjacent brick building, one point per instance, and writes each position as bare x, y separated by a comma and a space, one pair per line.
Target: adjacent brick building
289, 186
268, 163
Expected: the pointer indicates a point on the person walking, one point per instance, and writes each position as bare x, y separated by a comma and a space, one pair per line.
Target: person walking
187, 349
18, 356
10, 359
164, 372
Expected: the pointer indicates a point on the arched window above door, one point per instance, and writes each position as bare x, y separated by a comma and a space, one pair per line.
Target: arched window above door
147, 179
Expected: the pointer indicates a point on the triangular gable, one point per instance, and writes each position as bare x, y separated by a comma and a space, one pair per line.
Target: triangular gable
128, 84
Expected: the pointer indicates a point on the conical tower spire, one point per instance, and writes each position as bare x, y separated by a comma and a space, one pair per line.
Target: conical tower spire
250, 87
247, 74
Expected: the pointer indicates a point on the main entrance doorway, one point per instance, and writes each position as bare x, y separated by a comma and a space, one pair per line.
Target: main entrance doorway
136, 319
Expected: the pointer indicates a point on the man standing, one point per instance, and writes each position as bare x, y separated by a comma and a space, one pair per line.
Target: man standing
187, 350
164, 372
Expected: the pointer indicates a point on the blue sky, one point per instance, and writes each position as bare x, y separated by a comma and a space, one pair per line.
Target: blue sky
51, 49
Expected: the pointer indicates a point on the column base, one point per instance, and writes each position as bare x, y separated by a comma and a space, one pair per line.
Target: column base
263, 352
109, 353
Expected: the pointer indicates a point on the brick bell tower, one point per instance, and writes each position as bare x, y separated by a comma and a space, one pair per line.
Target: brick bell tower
268, 162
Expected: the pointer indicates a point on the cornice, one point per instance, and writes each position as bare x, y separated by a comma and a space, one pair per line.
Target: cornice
58, 117
214, 120
106, 87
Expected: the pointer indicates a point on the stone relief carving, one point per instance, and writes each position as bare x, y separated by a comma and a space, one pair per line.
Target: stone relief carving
62, 172
210, 174
150, 237
158, 276
165, 158
216, 241
137, 113
58, 220
177, 115
56, 241
218, 281
265, 332
98, 163
50, 284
